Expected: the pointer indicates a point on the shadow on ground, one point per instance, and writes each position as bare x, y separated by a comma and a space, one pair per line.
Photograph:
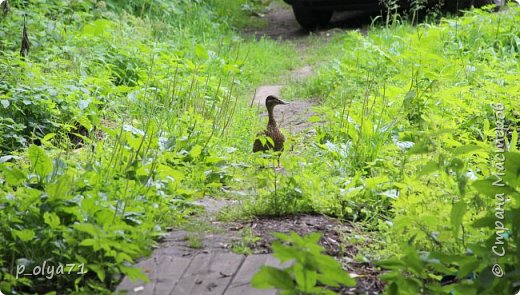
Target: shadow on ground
282, 25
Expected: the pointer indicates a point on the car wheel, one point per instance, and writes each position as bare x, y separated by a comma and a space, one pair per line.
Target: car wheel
309, 18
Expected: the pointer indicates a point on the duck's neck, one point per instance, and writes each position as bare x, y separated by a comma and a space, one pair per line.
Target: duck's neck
271, 122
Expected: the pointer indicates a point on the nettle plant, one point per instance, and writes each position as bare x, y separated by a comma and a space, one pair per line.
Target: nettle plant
489, 261
88, 67
309, 271
102, 209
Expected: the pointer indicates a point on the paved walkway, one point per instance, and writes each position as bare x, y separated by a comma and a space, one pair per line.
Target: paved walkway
175, 268
204, 273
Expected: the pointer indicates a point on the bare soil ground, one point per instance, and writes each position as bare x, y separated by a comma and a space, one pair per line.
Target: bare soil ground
333, 240
293, 117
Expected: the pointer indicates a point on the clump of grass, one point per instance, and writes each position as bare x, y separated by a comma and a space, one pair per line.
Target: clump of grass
195, 242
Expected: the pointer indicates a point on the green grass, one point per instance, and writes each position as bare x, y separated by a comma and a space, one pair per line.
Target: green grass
241, 14
195, 242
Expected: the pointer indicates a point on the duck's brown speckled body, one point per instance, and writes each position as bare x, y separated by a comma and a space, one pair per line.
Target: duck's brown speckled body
272, 130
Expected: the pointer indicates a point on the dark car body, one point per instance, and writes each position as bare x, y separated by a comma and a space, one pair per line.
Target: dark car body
313, 13
336, 5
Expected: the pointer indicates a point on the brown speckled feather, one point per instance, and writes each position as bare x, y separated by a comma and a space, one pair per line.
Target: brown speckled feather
275, 134
272, 130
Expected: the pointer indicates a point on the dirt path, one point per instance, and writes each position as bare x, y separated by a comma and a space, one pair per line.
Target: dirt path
282, 25
206, 241
293, 117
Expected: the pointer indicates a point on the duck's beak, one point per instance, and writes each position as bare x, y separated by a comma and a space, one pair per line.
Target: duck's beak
283, 102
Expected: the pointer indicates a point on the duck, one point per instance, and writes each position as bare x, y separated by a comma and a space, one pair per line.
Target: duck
272, 131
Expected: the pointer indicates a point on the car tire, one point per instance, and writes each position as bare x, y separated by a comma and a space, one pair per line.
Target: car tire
310, 19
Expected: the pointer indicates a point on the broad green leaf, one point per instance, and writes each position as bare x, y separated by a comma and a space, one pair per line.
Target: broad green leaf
512, 169
269, 140
306, 279
335, 278
94, 243
332, 272
263, 140
468, 267
120, 257
99, 270
201, 52
486, 127
51, 219
86, 228
47, 138
391, 263
230, 68
41, 163
492, 186
401, 222
195, 151
485, 222
466, 289
99, 28
270, 277
421, 148
61, 188
25, 235
457, 214
285, 253
514, 141
13, 175
165, 171
413, 261
465, 149
134, 273
314, 119
85, 122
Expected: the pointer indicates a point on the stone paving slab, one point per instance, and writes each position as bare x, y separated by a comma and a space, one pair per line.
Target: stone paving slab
241, 282
201, 274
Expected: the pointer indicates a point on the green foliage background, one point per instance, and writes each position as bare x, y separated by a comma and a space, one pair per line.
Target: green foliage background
410, 138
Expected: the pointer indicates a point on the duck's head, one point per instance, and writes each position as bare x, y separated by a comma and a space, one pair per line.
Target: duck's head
272, 101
